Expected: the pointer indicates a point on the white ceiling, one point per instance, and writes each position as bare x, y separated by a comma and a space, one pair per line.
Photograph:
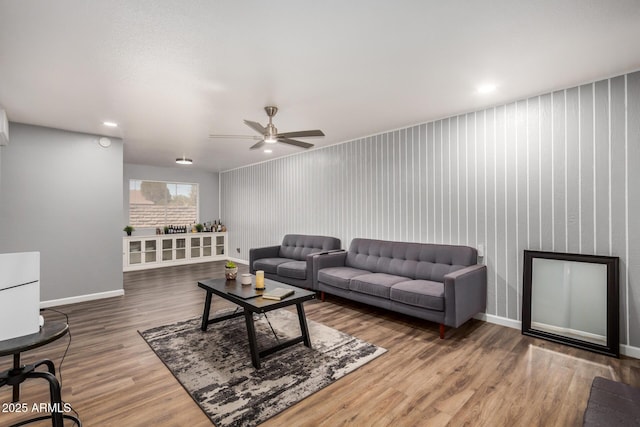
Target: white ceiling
173, 72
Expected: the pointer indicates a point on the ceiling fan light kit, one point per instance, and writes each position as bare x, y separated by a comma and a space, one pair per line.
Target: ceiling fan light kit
270, 133
184, 161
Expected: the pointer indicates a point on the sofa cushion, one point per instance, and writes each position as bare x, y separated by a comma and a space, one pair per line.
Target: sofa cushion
298, 246
376, 284
339, 277
419, 293
293, 269
269, 265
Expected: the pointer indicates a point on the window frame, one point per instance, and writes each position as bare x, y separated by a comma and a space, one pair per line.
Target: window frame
165, 224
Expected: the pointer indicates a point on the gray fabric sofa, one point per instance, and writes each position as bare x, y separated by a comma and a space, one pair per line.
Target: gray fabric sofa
292, 261
440, 283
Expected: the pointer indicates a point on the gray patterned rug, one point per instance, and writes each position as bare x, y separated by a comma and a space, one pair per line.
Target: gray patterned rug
215, 366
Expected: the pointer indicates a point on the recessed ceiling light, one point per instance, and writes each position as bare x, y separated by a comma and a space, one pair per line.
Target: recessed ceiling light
268, 151
110, 124
486, 88
184, 161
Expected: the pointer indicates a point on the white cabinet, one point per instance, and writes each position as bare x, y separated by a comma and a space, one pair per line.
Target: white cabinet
172, 249
141, 251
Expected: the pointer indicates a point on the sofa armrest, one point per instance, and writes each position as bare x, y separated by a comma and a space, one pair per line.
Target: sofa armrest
326, 259
465, 294
310, 257
265, 252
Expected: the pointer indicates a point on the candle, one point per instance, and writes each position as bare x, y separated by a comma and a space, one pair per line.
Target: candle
260, 279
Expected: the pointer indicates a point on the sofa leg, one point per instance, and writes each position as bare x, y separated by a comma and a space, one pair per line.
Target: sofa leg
322, 296
441, 331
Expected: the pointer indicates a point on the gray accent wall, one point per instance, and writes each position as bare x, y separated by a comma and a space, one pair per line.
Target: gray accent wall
61, 195
207, 183
553, 172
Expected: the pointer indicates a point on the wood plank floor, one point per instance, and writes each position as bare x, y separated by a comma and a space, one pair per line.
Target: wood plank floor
481, 375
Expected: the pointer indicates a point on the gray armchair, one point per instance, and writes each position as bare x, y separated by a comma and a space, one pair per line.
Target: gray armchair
292, 261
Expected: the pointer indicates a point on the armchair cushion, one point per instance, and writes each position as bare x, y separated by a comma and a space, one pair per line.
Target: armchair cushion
293, 269
269, 265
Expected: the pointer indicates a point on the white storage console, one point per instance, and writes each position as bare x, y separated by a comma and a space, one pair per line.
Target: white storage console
139, 253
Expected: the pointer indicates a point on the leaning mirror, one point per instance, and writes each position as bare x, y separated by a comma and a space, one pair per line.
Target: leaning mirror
572, 299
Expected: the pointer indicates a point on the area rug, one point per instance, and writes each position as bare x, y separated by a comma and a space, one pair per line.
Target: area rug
215, 366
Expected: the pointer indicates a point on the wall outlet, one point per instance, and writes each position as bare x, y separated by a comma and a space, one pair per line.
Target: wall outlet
481, 250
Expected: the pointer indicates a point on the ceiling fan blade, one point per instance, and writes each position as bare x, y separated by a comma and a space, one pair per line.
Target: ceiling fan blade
295, 142
256, 126
236, 137
301, 134
256, 146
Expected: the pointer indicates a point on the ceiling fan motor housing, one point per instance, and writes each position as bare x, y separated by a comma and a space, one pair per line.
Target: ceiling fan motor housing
271, 135
271, 111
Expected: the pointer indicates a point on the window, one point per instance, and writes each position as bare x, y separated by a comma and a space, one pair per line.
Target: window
159, 203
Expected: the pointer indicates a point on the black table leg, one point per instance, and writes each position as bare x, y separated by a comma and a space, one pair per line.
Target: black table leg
207, 309
16, 387
253, 342
56, 397
303, 325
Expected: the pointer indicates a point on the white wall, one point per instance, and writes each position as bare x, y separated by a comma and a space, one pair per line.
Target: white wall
207, 184
61, 195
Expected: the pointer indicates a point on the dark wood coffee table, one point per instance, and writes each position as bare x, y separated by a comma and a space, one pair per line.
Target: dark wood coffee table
249, 299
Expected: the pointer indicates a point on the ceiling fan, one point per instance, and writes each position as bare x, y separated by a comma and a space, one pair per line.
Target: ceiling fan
270, 135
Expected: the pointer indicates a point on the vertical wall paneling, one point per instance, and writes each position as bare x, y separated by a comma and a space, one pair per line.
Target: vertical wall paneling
601, 153
522, 201
633, 210
501, 264
559, 171
492, 232
472, 179
587, 171
545, 160
551, 172
430, 171
481, 165
619, 187
572, 153
454, 182
511, 214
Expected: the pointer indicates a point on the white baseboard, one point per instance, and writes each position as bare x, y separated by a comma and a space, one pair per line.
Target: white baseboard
81, 298
625, 350
630, 351
503, 321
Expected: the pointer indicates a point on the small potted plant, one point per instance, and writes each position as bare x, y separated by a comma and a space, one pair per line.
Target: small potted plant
230, 270
199, 228
128, 229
